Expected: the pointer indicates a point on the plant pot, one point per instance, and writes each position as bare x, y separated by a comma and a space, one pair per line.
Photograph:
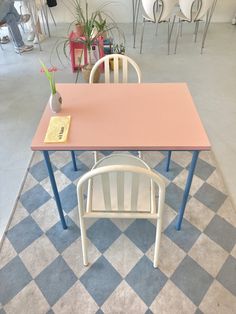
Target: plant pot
79, 30
55, 102
86, 70
111, 61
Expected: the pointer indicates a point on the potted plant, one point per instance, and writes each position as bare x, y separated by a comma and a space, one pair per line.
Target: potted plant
118, 49
94, 27
97, 23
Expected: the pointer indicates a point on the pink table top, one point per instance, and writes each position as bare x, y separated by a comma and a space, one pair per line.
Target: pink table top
126, 117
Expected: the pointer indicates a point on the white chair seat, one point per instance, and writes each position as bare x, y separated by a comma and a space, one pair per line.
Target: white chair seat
183, 18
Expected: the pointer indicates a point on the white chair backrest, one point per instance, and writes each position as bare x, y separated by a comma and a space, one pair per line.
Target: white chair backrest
149, 9
205, 5
167, 9
186, 8
118, 187
117, 58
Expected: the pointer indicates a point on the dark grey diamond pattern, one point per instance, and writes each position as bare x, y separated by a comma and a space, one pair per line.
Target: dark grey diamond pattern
222, 232
103, 233
184, 238
13, 278
227, 275
192, 279
55, 280
210, 196
101, 279
24, 233
146, 280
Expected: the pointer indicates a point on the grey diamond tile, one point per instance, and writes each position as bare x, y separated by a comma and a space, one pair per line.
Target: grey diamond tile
100, 280
62, 238
103, 233
192, 279
149, 312
68, 198
142, 233
172, 300
227, 275
70, 173
39, 171
223, 233
50, 312
198, 312
218, 299
210, 196
99, 312
2, 311
184, 238
203, 169
124, 300
76, 300
34, 198
13, 278
24, 233
146, 280
174, 196
55, 280
28, 300
174, 170
106, 152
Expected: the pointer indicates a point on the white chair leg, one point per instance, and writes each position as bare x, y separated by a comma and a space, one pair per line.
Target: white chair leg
170, 30
196, 31
140, 155
157, 243
141, 43
83, 240
95, 156
177, 36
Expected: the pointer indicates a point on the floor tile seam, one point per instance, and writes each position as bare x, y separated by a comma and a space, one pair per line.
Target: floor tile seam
218, 168
17, 199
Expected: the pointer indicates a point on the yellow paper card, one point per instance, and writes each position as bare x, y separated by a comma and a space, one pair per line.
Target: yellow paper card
57, 129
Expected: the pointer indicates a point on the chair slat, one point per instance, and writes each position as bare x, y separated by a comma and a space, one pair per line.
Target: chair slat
134, 191
107, 71
125, 70
116, 69
106, 191
120, 191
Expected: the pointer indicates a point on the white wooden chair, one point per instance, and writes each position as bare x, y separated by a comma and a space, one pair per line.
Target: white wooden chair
121, 186
122, 62
203, 9
158, 12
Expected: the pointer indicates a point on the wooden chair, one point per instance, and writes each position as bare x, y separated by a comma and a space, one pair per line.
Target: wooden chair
121, 186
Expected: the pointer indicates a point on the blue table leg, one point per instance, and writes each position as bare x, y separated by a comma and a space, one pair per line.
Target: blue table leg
187, 189
54, 188
74, 160
168, 160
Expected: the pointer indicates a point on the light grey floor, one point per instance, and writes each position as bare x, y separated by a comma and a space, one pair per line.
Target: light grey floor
211, 78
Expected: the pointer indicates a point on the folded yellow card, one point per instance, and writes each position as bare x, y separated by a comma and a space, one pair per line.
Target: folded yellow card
57, 129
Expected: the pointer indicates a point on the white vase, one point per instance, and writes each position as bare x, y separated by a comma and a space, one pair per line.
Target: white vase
55, 102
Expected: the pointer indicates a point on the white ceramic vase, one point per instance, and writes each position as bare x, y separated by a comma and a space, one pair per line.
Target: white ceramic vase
55, 102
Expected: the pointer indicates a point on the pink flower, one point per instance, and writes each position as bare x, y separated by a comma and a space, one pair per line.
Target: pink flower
52, 69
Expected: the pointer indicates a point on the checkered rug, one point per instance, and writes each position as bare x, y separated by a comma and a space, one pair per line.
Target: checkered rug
41, 268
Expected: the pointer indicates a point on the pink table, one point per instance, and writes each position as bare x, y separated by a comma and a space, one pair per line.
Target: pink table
127, 117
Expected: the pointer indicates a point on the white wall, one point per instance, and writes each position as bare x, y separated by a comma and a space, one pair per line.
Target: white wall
121, 10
